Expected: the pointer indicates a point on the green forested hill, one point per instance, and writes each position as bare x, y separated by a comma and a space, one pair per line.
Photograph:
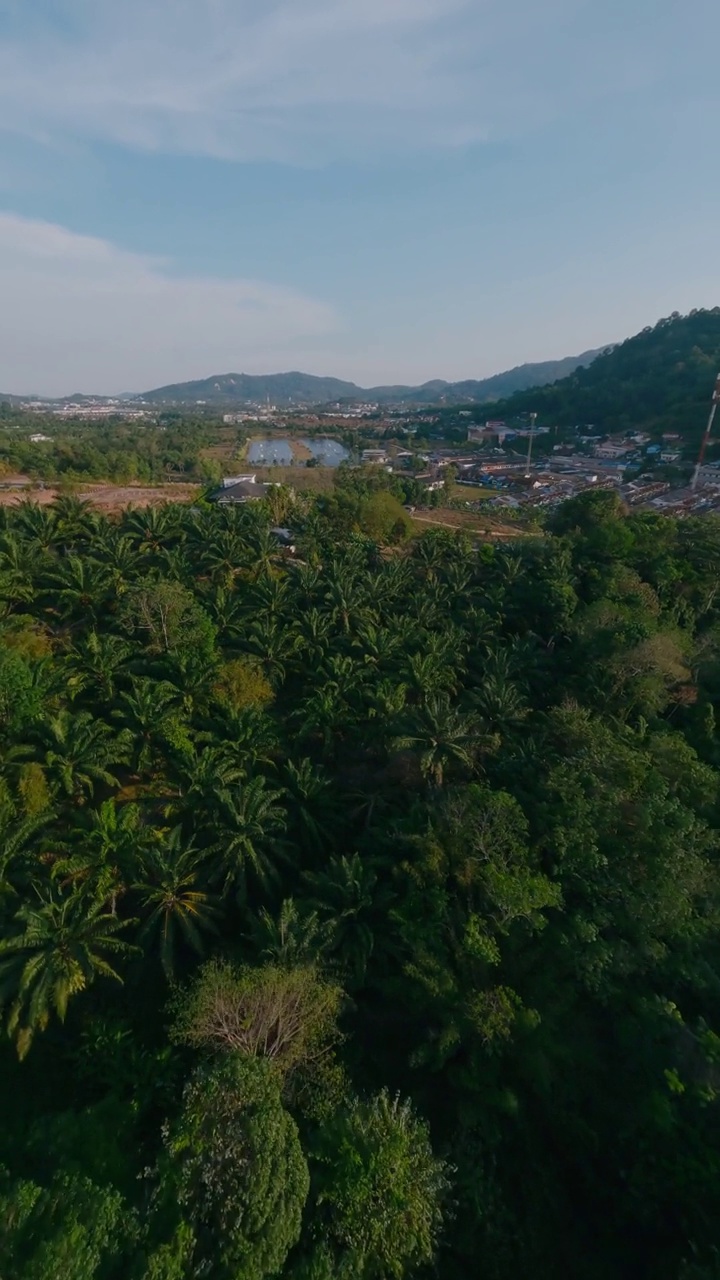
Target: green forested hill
660, 380
287, 389
359, 909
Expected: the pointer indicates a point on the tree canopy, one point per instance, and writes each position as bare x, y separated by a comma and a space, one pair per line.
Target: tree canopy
360, 904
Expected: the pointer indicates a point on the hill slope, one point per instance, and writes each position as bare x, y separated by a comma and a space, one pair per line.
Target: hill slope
295, 388
660, 380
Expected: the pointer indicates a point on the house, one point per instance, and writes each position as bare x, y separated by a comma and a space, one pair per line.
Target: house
240, 489
613, 450
374, 455
670, 455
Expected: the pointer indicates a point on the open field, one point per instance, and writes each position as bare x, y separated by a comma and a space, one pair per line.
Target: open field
107, 497
471, 492
464, 522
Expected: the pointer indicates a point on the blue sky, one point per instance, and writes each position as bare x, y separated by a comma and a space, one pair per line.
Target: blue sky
385, 190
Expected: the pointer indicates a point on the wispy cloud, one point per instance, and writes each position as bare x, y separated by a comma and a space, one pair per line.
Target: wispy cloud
312, 79
93, 316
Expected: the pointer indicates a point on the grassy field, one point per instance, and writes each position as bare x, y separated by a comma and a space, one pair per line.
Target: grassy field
470, 492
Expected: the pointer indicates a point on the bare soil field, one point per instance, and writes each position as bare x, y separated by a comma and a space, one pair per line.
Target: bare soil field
107, 497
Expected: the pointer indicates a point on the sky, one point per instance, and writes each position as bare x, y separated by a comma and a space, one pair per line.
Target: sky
380, 190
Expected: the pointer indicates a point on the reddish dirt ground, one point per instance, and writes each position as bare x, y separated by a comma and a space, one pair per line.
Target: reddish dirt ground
108, 497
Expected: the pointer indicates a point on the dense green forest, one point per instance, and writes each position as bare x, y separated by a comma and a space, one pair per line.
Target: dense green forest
660, 380
358, 907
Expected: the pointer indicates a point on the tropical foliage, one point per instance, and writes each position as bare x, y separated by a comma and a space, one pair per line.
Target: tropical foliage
359, 906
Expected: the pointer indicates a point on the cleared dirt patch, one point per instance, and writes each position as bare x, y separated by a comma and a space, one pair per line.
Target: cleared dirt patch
107, 497
466, 522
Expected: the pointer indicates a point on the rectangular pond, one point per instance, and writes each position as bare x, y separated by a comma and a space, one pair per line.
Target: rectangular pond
279, 453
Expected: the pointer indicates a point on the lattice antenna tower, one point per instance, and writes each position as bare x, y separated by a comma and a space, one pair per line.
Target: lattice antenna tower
706, 437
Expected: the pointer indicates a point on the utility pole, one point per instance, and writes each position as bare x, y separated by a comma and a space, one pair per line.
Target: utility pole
706, 437
533, 420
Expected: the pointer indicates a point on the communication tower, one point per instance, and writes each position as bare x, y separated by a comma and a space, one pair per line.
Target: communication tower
706, 437
533, 420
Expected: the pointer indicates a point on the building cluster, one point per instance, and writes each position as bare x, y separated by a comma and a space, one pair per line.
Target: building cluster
86, 409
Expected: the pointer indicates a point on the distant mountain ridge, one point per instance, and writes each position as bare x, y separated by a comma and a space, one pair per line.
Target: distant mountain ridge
303, 389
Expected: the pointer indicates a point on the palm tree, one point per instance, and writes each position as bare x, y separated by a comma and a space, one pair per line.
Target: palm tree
379, 646
273, 643
37, 524
18, 854
59, 950
150, 713
75, 520
312, 800
205, 771
78, 751
179, 907
347, 896
501, 704
19, 562
246, 827
292, 937
105, 854
347, 597
270, 596
99, 663
224, 557
430, 674
323, 716
78, 589
151, 528
313, 632
443, 735
264, 552
228, 612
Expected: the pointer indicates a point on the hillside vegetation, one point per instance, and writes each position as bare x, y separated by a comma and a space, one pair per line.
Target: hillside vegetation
359, 909
660, 380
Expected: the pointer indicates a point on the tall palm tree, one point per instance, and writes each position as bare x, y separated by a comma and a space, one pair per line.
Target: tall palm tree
229, 613
443, 736
346, 595
173, 892
77, 589
36, 524
100, 662
246, 826
115, 551
78, 751
151, 528
224, 557
312, 801
104, 853
60, 947
273, 643
313, 630
150, 712
18, 850
325, 717
347, 895
293, 936
19, 562
75, 521
501, 704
